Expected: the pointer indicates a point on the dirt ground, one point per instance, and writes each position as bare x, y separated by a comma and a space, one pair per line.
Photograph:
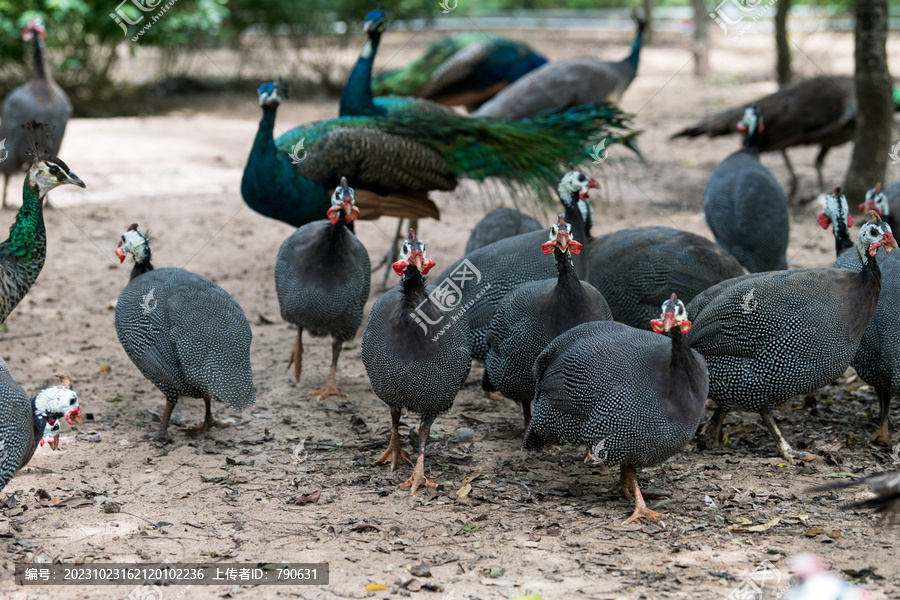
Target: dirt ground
541, 523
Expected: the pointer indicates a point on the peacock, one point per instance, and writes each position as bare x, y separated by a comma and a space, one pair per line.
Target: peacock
398, 158
465, 69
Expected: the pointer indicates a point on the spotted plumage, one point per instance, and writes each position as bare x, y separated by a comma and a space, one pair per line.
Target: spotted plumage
500, 224
185, 334
636, 269
770, 336
533, 314
322, 278
633, 397
745, 207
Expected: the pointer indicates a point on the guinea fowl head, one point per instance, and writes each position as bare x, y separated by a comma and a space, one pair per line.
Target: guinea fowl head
342, 203
836, 210
412, 254
674, 314
575, 187
876, 200
57, 402
752, 125
561, 239
375, 22
34, 28
271, 94
874, 234
135, 243
47, 171
51, 434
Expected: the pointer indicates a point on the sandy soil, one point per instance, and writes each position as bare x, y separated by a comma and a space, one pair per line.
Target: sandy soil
532, 523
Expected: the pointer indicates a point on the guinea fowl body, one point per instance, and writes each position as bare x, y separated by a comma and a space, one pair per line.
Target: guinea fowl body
526, 320
745, 207
41, 100
186, 335
770, 336
636, 269
499, 224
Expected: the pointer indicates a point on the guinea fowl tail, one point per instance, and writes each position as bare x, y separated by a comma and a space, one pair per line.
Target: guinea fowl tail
486, 384
539, 434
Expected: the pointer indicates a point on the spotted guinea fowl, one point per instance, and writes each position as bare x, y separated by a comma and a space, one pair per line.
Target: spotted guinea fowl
27, 423
23, 253
42, 100
395, 160
568, 82
409, 367
770, 336
877, 361
500, 224
534, 313
477, 283
465, 69
881, 200
632, 397
819, 112
184, 333
744, 205
637, 268
322, 277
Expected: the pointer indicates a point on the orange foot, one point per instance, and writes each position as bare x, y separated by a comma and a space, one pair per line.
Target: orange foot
394, 451
630, 484
646, 513
329, 389
418, 477
207, 426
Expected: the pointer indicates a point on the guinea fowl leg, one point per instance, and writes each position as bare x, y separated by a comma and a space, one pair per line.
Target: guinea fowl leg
712, 437
820, 162
297, 356
790, 168
162, 432
640, 508
394, 451
208, 421
418, 476
330, 388
784, 448
882, 437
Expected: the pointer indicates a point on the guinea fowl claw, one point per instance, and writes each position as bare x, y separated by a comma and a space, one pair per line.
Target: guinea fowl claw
204, 426
644, 513
882, 437
394, 452
631, 488
329, 389
418, 477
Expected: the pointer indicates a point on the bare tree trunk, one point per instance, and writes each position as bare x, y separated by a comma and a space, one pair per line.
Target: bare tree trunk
782, 48
648, 15
700, 44
872, 139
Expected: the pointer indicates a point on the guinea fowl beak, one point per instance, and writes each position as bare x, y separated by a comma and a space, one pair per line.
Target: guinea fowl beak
53, 442
562, 242
417, 260
120, 253
73, 417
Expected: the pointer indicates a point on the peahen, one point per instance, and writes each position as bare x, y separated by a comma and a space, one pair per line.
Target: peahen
41, 99
568, 82
22, 254
395, 160
466, 69
27, 423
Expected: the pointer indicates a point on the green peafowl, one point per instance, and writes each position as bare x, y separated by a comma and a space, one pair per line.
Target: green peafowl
22, 254
466, 69
398, 158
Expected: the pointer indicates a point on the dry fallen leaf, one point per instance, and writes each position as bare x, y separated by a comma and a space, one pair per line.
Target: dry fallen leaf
464, 491
757, 528
471, 476
375, 586
306, 498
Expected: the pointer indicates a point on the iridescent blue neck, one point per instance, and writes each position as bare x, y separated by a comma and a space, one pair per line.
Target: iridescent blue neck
356, 98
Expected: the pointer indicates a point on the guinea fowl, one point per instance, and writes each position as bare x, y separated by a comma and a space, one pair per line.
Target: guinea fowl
408, 367
27, 423
23, 253
184, 333
38, 100
770, 336
880, 201
745, 207
465, 69
819, 111
877, 361
500, 224
534, 313
322, 277
637, 268
566, 83
477, 283
633, 398
885, 486
395, 160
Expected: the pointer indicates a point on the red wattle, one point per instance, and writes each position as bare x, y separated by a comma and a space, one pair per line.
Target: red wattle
657, 325
575, 247
548, 247
427, 265
333, 214
824, 221
849, 220
400, 266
